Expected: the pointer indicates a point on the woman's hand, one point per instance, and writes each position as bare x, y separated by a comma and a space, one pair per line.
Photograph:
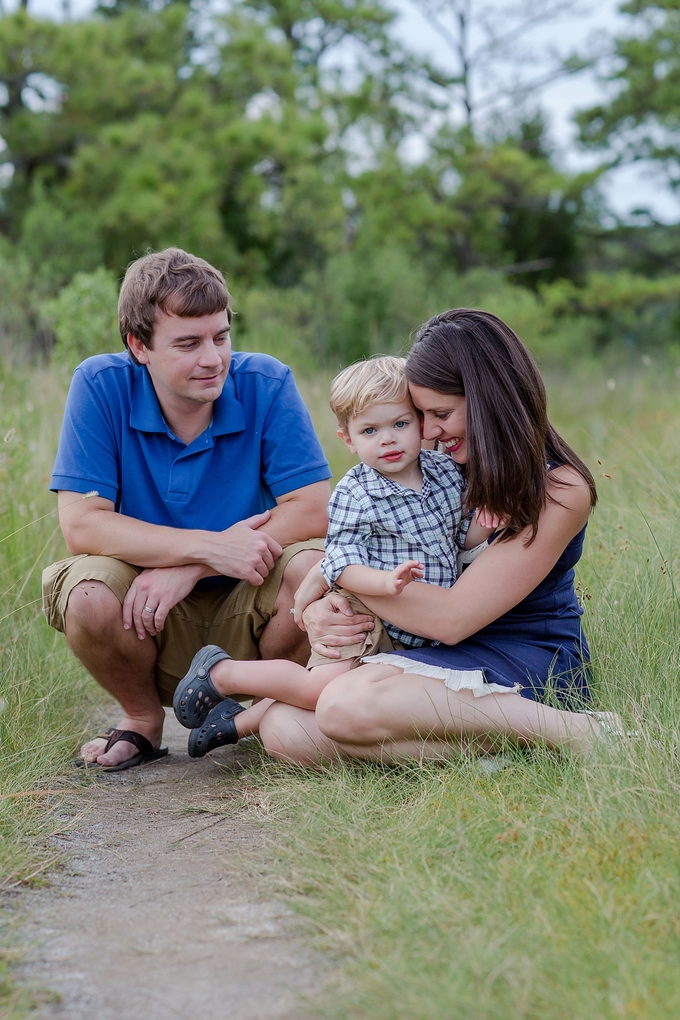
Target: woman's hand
331, 624
158, 589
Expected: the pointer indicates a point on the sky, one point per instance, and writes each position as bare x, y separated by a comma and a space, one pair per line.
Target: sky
585, 28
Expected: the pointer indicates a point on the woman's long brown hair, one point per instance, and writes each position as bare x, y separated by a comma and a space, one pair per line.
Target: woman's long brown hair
511, 443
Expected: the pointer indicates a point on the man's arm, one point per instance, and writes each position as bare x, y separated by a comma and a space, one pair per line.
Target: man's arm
91, 525
299, 515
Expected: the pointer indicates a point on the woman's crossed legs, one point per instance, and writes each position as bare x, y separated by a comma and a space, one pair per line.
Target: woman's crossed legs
377, 712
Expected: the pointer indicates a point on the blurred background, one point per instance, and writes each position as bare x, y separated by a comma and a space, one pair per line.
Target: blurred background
352, 166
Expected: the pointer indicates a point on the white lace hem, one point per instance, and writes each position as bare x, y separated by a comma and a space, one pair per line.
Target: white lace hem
454, 679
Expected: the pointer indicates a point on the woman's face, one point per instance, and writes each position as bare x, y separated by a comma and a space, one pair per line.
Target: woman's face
444, 419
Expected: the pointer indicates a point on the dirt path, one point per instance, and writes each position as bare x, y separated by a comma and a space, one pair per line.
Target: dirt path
149, 919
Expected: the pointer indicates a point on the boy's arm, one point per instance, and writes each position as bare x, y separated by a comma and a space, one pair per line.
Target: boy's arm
364, 580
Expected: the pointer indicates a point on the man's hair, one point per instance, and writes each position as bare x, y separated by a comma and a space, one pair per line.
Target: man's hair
174, 282
380, 380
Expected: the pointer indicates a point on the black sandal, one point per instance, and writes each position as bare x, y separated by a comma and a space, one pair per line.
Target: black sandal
147, 752
196, 694
217, 730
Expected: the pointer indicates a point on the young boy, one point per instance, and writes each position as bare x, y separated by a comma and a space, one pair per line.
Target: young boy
395, 518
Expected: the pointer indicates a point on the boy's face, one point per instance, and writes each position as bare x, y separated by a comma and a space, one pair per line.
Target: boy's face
386, 437
189, 358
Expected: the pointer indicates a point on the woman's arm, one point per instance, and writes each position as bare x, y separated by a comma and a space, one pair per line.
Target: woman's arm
499, 578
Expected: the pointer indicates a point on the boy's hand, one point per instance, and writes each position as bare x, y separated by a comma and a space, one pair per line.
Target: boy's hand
486, 519
397, 579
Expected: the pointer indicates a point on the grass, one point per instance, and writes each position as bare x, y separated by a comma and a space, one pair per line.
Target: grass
546, 891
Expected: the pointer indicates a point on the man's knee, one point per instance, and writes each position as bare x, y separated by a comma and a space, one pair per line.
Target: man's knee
296, 570
92, 606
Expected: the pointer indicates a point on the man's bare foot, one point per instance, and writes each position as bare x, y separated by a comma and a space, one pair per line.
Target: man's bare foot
93, 750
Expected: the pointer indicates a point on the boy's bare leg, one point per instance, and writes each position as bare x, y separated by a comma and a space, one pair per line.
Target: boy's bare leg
119, 662
276, 679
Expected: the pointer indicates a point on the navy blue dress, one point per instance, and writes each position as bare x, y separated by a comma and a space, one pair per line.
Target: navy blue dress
539, 643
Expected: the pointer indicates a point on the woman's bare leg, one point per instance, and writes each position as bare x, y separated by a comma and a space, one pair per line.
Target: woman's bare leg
291, 734
375, 705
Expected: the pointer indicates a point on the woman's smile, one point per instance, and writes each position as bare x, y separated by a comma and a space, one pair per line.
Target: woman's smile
444, 419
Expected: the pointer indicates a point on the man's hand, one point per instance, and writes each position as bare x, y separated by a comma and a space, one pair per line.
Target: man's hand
397, 579
331, 623
242, 551
158, 589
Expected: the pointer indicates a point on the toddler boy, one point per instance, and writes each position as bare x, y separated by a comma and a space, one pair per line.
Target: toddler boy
395, 518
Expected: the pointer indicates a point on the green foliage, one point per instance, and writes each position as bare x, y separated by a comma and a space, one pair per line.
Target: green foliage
84, 318
23, 331
642, 119
146, 125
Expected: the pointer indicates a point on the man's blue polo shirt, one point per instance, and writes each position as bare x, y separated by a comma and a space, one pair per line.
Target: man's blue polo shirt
260, 444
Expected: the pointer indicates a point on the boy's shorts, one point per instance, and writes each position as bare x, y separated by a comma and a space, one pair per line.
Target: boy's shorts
376, 640
232, 616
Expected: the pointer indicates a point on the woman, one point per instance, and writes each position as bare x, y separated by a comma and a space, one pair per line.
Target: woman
513, 614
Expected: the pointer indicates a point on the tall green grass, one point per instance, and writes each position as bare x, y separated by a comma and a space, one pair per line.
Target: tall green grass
549, 890
44, 698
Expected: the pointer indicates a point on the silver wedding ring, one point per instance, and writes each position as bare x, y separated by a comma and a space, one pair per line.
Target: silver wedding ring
148, 610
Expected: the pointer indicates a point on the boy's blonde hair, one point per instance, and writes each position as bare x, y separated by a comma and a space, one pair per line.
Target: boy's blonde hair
380, 380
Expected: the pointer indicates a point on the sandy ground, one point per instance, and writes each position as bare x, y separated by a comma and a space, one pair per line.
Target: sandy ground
153, 916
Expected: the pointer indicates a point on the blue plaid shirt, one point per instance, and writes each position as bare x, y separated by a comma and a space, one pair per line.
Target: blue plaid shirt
379, 523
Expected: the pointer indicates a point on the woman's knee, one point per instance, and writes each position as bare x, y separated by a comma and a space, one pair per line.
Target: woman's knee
287, 735
345, 711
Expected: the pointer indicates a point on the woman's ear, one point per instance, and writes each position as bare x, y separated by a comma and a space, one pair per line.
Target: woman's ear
342, 434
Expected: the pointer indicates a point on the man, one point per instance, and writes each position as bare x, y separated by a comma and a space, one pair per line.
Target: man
192, 497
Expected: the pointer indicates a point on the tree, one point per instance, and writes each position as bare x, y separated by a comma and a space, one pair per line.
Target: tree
489, 46
642, 120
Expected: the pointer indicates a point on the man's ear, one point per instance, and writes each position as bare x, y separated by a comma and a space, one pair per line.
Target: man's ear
137, 348
346, 440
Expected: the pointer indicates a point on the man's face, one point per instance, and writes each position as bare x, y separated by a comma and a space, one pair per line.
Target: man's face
189, 358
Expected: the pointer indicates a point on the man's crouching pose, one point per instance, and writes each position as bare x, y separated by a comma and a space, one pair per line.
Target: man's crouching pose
192, 497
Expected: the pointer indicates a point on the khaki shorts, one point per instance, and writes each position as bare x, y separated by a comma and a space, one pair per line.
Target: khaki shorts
232, 616
376, 640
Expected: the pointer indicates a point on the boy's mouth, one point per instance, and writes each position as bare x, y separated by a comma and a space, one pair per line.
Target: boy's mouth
392, 456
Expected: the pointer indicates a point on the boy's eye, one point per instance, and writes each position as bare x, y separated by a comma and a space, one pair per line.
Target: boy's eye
400, 424
369, 431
